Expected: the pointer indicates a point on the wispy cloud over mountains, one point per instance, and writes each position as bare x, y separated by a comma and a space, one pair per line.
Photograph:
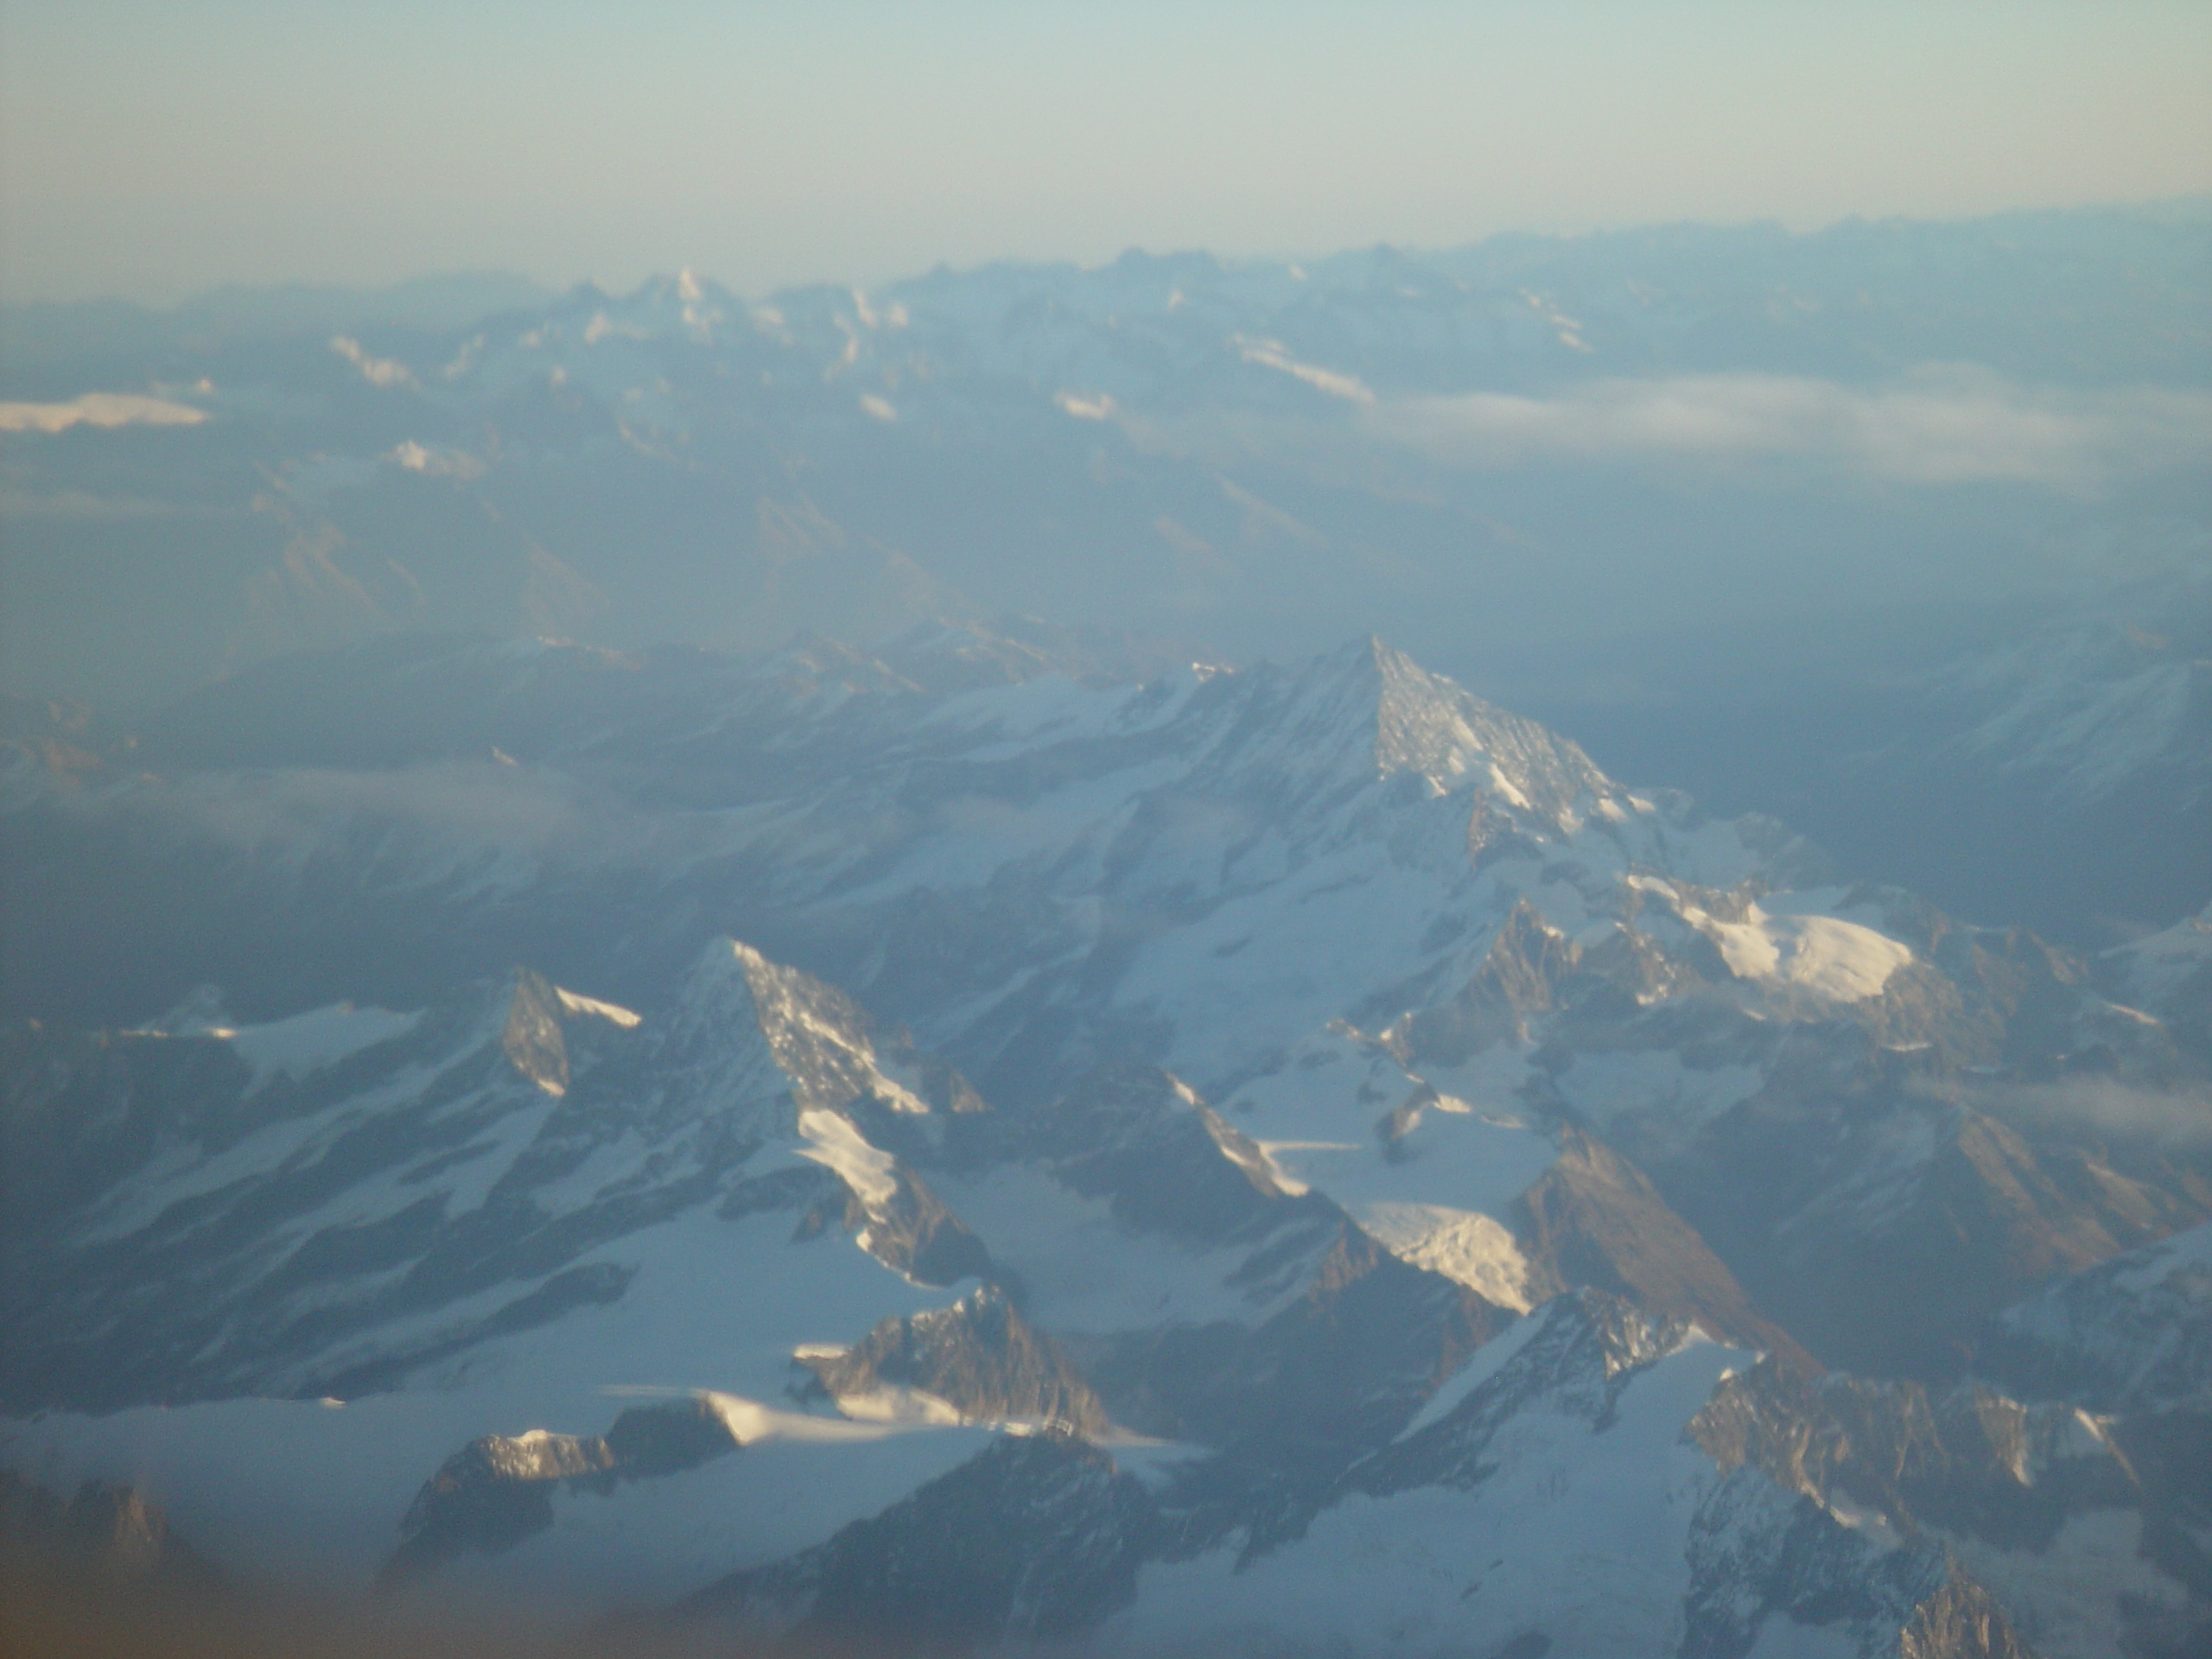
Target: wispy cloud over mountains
1936, 425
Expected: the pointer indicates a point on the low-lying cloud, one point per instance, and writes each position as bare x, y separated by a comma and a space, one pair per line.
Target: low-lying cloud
1935, 426
2107, 1109
98, 409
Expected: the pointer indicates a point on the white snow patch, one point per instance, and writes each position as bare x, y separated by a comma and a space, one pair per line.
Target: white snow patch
384, 372
751, 1423
1654, 1083
1271, 353
1482, 1365
835, 1143
613, 1013
1461, 1244
1830, 958
2191, 1248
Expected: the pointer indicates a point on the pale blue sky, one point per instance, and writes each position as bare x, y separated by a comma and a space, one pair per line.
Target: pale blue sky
152, 148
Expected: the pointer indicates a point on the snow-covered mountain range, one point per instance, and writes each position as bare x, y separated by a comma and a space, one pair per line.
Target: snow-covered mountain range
970, 1143
1796, 521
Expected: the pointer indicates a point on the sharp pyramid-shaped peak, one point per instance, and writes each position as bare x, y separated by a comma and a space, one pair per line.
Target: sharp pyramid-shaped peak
978, 1357
530, 1037
1370, 707
535, 1014
745, 1023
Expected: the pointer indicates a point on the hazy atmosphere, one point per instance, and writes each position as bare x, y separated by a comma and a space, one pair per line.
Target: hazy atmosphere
152, 149
1280, 832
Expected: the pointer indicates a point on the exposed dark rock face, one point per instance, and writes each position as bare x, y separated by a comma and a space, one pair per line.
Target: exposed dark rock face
1140, 1138
81, 1109
190, 1301
979, 1357
1758, 1550
531, 1038
646, 1441
916, 1233
1964, 1461
1519, 978
1594, 1219
1758, 1556
1966, 1465
1037, 1537
2129, 1337
498, 1490
1881, 1223
1959, 1621
488, 1497
1363, 1342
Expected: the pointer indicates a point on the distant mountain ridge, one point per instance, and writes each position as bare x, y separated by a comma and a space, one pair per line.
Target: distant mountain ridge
1748, 510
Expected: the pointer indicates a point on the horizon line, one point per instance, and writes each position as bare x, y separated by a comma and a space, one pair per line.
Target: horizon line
2184, 207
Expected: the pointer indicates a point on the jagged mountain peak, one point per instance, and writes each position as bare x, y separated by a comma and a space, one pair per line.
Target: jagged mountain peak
1965, 1459
976, 1361
499, 1490
1369, 713
539, 1014
745, 1027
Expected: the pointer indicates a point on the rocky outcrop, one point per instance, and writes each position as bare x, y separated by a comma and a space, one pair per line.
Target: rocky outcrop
1760, 1558
1964, 1461
1519, 977
1959, 1621
499, 1490
978, 1356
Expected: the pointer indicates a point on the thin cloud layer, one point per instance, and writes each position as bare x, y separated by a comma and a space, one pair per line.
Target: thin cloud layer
98, 408
2180, 1118
1937, 426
